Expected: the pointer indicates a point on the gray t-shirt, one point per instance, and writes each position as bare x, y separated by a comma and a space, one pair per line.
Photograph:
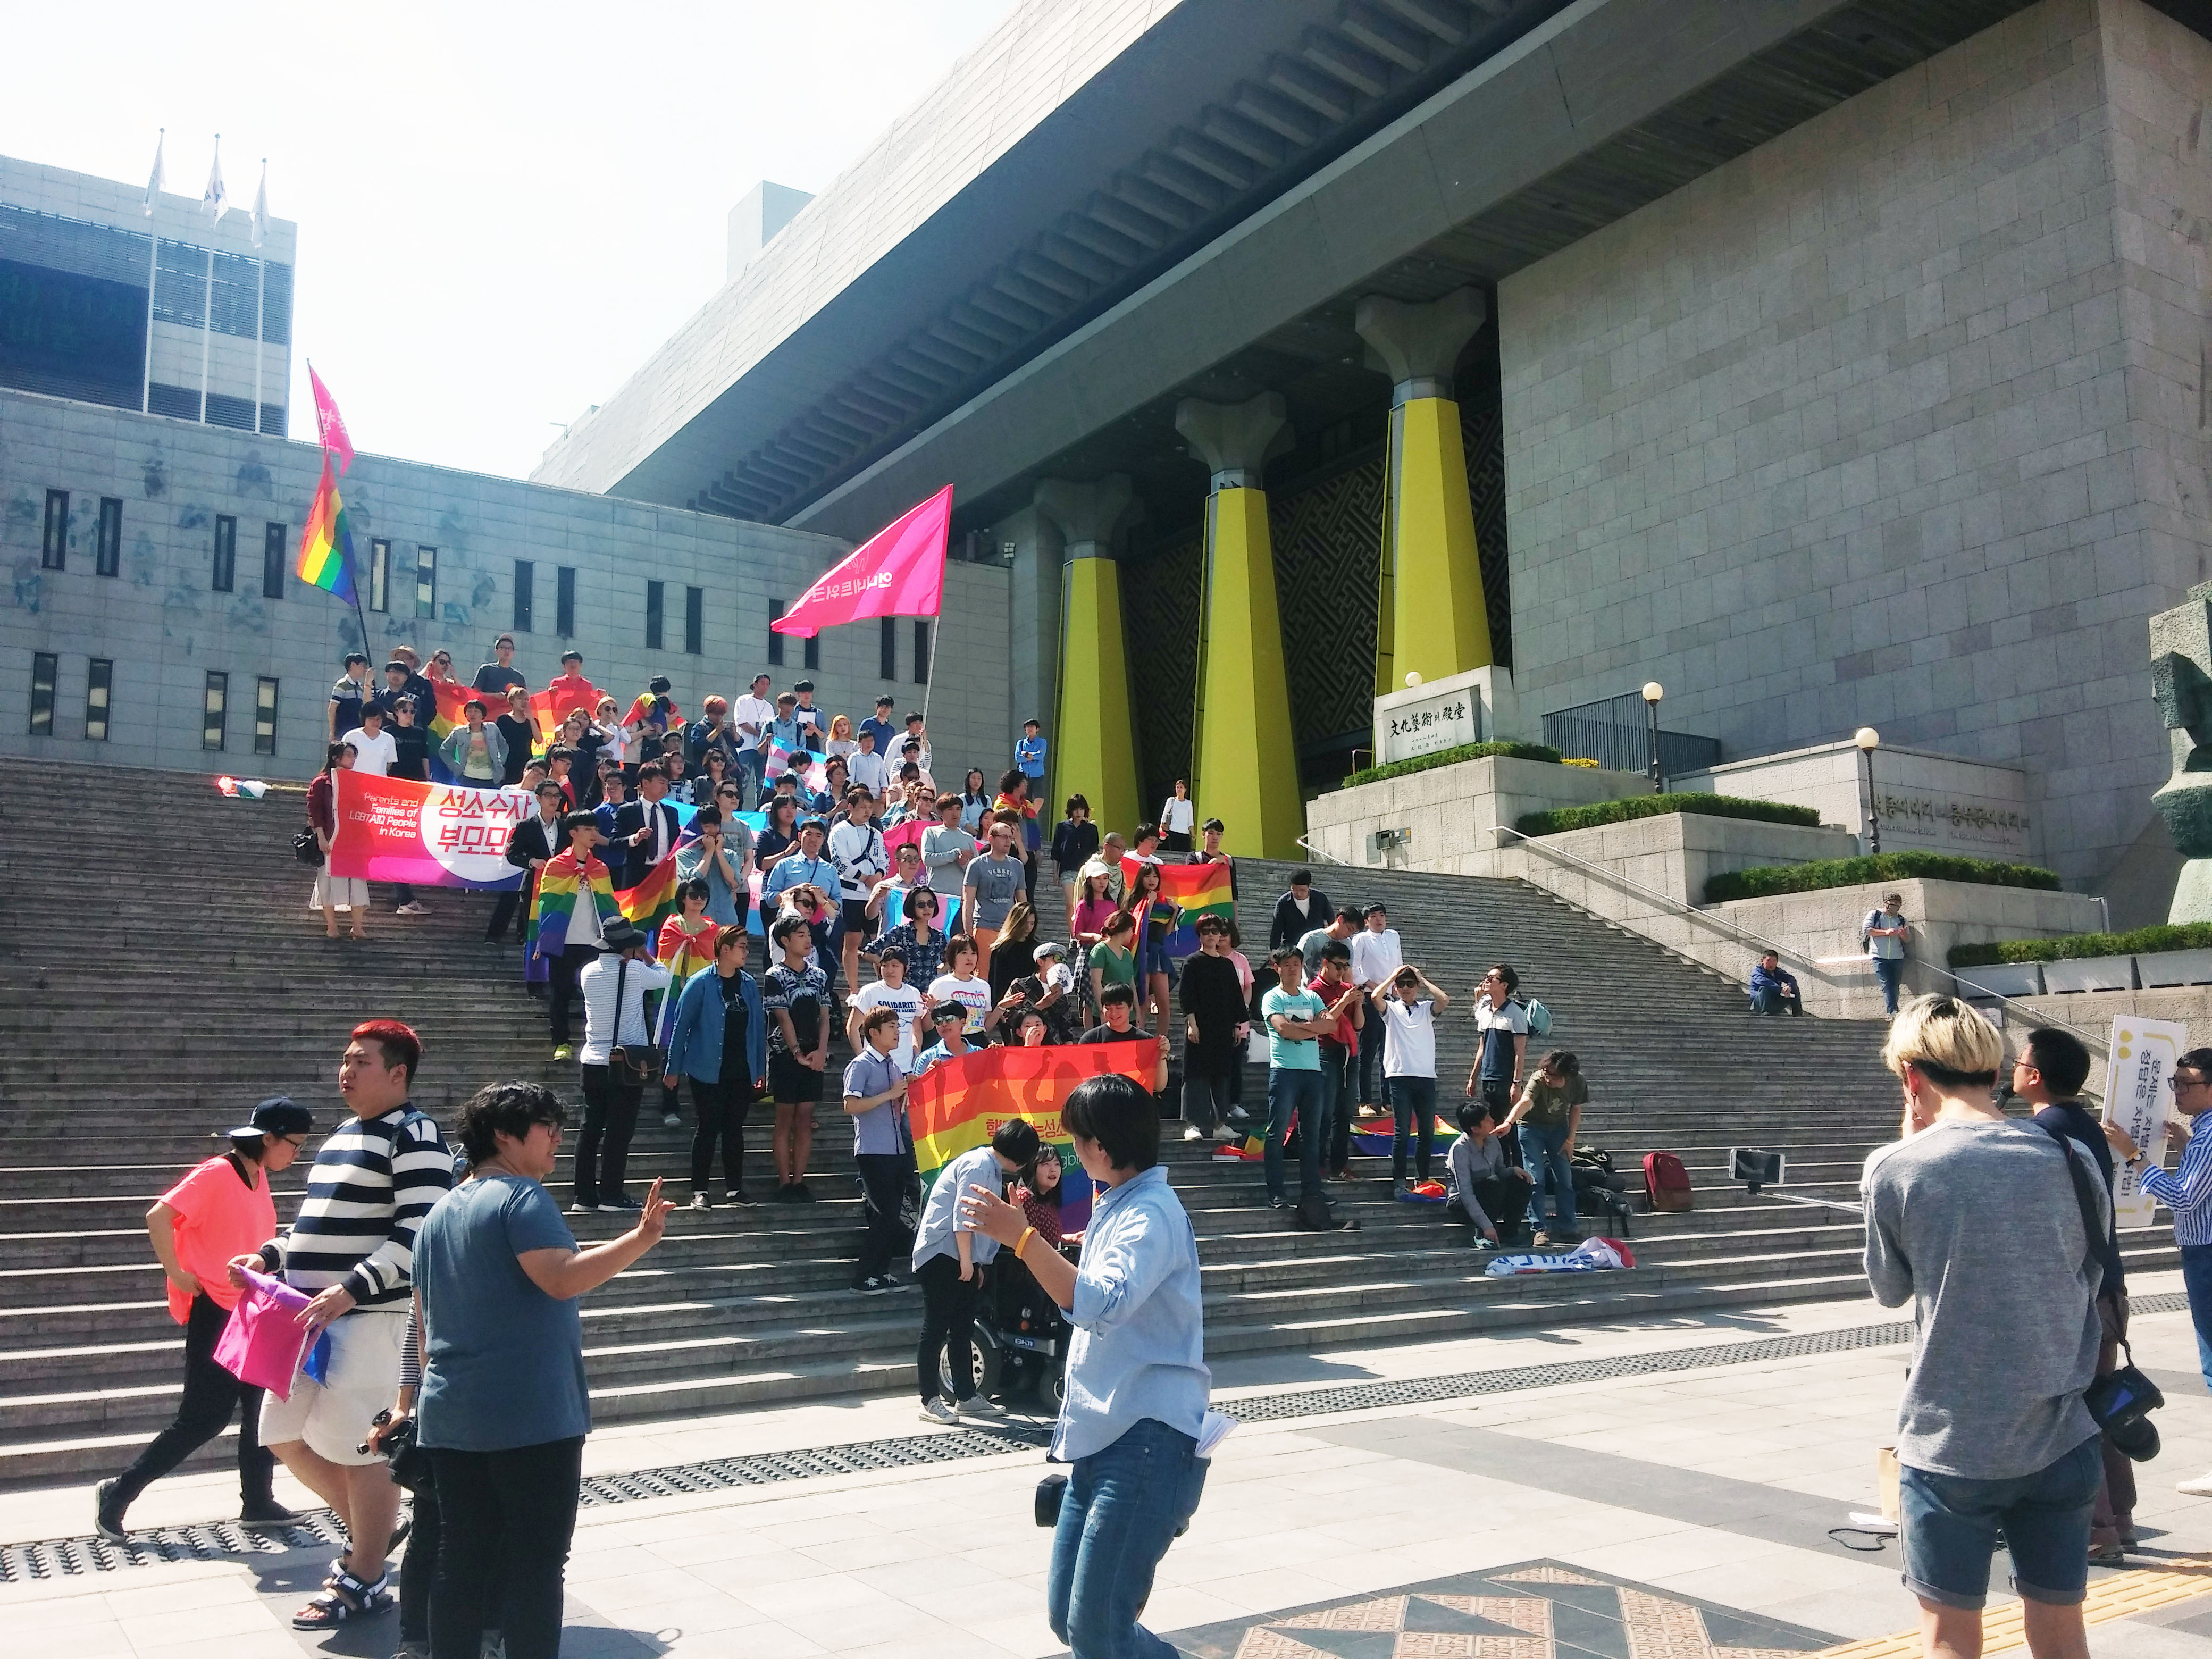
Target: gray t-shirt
503, 1365
1977, 1225
998, 884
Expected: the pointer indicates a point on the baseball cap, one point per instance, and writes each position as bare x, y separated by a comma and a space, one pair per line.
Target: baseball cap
279, 1115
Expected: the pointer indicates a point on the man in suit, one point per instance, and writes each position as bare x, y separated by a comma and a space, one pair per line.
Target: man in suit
532, 842
1299, 912
644, 828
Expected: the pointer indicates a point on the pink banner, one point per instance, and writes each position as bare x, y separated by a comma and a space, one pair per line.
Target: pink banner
897, 572
430, 834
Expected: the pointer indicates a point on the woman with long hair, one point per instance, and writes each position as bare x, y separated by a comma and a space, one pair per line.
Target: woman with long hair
975, 801
780, 838
708, 783
842, 741
1014, 957
1157, 917
331, 890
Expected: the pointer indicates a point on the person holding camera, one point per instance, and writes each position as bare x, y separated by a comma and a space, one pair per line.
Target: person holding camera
616, 1034
1134, 1402
1979, 1221
950, 1254
497, 1277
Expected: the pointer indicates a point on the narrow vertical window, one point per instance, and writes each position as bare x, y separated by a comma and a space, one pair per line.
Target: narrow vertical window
108, 557
525, 582
264, 715
225, 574
215, 709
45, 668
655, 594
564, 602
98, 691
54, 552
273, 540
921, 651
694, 621
426, 581
380, 574
775, 639
887, 652
811, 656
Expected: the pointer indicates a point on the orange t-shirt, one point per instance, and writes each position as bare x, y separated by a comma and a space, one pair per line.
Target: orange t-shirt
218, 1217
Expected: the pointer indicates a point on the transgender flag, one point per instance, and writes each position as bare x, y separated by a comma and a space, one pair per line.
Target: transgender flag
897, 572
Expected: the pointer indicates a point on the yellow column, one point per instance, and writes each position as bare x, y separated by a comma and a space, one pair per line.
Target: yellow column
1094, 752
1246, 761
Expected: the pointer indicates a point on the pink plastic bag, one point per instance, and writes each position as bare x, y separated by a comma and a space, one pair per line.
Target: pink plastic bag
264, 1343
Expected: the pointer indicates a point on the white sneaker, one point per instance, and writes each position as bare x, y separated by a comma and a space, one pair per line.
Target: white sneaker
2200, 1488
416, 909
936, 1411
982, 1410
1194, 1132
670, 1120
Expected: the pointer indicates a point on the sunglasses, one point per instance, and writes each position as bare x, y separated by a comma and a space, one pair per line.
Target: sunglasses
726, 794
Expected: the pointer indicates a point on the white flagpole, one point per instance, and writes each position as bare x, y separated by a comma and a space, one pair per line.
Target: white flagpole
260, 287
214, 202
152, 273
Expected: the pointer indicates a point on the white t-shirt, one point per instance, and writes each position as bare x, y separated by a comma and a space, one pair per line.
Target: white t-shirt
1177, 815
756, 712
372, 757
907, 1002
1409, 1037
973, 994
867, 770
596, 985
861, 858
1375, 957
614, 740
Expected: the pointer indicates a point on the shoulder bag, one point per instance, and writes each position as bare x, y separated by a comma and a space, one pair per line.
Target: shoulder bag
2122, 1400
639, 1063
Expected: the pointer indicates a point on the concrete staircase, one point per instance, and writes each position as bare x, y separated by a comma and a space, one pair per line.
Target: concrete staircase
162, 973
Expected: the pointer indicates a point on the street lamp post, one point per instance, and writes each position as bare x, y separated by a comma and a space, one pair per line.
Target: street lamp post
1868, 740
1652, 692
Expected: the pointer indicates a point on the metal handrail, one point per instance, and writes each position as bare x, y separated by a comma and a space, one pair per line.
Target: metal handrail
2037, 1015
1322, 853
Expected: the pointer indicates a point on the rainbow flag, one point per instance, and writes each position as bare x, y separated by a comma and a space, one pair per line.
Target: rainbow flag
1198, 890
684, 954
326, 542
560, 886
955, 1105
652, 901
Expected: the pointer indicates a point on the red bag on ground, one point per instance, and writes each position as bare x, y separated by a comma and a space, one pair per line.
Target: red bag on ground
1666, 1182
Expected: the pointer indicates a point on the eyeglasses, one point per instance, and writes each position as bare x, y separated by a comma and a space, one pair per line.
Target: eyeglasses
2178, 1083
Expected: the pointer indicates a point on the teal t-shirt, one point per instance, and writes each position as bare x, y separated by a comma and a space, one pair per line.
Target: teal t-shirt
1291, 1054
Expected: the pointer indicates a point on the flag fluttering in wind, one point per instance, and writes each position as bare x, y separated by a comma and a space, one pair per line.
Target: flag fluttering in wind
261, 204
326, 543
331, 424
215, 199
153, 183
897, 572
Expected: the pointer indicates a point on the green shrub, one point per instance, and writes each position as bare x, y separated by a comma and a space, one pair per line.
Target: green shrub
2188, 936
1766, 880
1466, 752
1651, 807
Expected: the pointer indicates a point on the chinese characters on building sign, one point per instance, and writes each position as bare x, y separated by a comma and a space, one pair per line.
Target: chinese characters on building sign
1443, 721
1417, 720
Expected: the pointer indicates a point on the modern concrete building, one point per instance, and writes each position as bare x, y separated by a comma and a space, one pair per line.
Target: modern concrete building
1833, 362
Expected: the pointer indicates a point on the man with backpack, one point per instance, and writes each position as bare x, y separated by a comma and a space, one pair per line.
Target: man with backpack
1886, 932
1503, 1027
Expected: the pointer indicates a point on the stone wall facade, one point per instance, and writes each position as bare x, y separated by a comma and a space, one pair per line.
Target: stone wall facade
161, 625
1896, 420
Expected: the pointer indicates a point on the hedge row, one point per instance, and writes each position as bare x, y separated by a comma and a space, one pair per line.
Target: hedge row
2188, 936
1466, 752
1765, 881
1651, 807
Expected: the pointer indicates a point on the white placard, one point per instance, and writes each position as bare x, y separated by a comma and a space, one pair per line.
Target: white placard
2137, 1070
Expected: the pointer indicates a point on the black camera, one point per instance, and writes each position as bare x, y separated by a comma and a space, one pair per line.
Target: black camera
2122, 1404
1050, 1491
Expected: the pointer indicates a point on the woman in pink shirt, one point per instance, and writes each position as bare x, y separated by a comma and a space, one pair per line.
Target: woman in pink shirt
222, 1209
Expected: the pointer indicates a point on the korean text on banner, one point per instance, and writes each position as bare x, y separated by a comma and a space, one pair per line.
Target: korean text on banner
428, 835
2138, 1070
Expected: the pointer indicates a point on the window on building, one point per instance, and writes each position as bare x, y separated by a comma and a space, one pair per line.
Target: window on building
654, 598
54, 552
45, 668
811, 656
224, 576
887, 667
564, 602
264, 715
921, 653
98, 689
273, 538
380, 574
426, 581
109, 560
525, 583
695, 620
775, 639
215, 709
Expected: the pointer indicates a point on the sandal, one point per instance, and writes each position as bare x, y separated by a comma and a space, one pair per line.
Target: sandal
345, 1598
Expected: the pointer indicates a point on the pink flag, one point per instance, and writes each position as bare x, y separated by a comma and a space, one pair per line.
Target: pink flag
332, 422
897, 572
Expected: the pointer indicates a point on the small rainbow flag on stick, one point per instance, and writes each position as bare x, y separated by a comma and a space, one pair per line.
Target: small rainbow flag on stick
327, 544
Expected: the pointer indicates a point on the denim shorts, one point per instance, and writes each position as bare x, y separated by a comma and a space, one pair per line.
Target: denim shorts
1949, 1530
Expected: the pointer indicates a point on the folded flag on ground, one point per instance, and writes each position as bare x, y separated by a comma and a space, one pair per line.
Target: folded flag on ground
1591, 1255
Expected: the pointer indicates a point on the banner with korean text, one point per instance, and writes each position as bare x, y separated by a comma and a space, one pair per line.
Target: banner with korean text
428, 835
2139, 1097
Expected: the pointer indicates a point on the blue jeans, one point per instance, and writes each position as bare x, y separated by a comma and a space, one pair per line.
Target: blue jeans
1949, 1528
1375, 1085
1890, 970
751, 763
1333, 1117
1290, 1092
2196, 1280
1413, 1110
1121, 1510
1545, 1152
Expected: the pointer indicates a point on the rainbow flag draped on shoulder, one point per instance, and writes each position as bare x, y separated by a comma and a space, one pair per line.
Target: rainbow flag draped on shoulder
1198, 889
955, 1105
562, 886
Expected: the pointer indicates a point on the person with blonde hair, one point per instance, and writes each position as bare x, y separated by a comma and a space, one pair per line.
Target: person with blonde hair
1978, 1221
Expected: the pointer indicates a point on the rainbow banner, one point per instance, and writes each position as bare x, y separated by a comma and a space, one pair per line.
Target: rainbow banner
1198, 890
327, 541
954, 1106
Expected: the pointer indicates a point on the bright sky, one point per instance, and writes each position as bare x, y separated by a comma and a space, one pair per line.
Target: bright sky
503, 209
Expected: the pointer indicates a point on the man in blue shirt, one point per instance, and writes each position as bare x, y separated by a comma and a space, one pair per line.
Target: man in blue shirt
1773, 987
880, 724
1028, 755
875, 1099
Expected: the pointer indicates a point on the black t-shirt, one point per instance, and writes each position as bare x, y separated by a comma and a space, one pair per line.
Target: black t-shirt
737, 1021
2071, 1119
500, 681
518, 735
411, 744
1107, 1033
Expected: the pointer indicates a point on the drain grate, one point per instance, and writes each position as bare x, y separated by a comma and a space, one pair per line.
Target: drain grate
62, 1558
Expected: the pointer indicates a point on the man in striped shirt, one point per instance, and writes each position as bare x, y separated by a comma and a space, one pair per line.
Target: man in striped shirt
2187, 1192
352, 1247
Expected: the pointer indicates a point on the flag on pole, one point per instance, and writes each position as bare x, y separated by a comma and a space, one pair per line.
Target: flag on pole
215, 199
261, 204
326, 543
153, 183
332, 422
897, 572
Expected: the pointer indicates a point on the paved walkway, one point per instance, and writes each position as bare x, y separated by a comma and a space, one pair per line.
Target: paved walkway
1686, 1512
